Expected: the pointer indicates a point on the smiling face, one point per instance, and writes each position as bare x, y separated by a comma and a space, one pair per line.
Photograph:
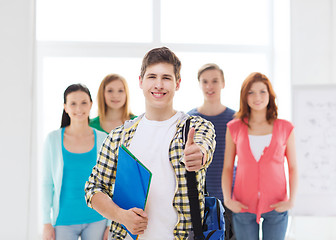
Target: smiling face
78, 106
211, 83
115, 95
159, 85
258, 97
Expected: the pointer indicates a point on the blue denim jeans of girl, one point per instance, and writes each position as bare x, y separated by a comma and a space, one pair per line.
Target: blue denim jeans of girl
274, 226
89, 231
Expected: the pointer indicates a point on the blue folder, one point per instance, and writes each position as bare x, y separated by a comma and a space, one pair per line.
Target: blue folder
132, 182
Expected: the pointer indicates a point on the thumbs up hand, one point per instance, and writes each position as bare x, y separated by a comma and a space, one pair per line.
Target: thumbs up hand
193, 155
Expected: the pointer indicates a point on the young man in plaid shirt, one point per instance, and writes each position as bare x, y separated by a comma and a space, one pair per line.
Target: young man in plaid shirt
156, 138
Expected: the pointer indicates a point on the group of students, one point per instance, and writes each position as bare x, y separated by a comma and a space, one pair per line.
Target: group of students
80, 158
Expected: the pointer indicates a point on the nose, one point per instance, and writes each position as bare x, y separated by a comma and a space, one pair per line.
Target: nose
78, 108
257, 96
158, 83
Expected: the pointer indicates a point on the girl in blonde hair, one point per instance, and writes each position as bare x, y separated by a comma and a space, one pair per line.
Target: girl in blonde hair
113, 104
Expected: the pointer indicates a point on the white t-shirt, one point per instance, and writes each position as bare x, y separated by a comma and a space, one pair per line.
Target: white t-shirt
258, 144
150, 144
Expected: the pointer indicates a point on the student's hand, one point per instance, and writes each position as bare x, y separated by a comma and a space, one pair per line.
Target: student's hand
48, 232
193, 156
135, 220
106, 233
234, 206
282, 206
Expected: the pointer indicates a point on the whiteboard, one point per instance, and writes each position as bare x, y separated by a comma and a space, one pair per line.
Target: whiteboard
314, 117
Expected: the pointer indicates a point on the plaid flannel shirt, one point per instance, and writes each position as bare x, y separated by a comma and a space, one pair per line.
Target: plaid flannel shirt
103, 174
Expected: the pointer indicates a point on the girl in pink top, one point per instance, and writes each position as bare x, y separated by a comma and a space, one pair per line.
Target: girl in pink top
261, 141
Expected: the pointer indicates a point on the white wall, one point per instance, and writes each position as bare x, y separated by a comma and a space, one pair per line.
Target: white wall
313, 61
16, 97
313, 54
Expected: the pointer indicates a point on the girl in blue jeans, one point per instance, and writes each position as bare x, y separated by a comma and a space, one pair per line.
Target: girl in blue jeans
69, 155
262, 142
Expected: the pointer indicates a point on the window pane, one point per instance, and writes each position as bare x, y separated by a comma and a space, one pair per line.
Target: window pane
59, 73
236, 68
99, 20
216, 21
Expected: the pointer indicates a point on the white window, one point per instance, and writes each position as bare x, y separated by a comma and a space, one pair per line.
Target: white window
84, 40
94, 21
81, 41
238, 22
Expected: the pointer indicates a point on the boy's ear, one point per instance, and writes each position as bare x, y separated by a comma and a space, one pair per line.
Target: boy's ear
140, 82
178, 83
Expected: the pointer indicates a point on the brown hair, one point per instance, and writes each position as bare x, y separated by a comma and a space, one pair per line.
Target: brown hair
244, 110
161, 55
209, 66
101, 97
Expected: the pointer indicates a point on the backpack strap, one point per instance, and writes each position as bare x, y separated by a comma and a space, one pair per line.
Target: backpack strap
195, 211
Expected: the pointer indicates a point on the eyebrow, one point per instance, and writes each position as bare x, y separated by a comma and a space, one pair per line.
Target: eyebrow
112, 88
154, 74
261, 89
210, 79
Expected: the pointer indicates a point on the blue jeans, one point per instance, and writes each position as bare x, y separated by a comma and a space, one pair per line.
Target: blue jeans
89, 231
274, 225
